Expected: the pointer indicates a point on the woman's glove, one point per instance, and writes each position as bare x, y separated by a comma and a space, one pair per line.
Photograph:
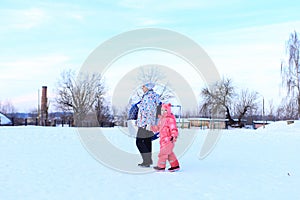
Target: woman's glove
155, 136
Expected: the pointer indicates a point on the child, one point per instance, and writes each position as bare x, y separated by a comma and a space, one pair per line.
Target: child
168, 134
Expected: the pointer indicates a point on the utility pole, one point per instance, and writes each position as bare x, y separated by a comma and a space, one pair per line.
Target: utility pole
263, 112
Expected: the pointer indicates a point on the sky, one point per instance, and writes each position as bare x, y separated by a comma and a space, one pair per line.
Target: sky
39, 39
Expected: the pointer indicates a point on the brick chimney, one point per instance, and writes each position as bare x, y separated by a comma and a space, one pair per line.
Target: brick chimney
44, 106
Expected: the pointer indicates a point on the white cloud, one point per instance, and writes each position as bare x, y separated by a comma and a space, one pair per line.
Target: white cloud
149, 22
42, 14
77, 16
173, 5
30, 67
135, 4
22, 18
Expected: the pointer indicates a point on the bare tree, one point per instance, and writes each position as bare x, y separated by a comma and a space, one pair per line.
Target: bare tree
220, 98
8, 108
102, 108
120, 115
271, 111
33, 112
78, 94
287, 109
290, 72
245, 103
154, 75
103, 111
149, 74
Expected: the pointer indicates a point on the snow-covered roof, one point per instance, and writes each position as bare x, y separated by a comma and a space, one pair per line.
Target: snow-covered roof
182, 120
4, 120
262, 122
205, 119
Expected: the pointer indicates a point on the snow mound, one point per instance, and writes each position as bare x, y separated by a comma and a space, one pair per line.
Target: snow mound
282, 126
4, 120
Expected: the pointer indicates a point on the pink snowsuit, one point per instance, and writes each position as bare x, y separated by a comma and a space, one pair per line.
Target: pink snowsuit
168, 133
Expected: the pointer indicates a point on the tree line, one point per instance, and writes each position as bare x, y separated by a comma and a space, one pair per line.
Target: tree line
84, 95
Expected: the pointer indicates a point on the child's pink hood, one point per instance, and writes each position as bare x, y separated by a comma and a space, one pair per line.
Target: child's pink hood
167, 107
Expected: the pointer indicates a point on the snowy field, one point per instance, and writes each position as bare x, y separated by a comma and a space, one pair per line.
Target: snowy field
51, 163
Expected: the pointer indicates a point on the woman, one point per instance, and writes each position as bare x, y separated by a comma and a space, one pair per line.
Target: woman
146, 119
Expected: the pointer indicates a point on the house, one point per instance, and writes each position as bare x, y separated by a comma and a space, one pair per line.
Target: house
4, 121
258, 124
183, 123
205, 123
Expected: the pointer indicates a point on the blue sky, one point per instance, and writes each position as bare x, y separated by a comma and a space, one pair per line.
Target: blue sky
245, 39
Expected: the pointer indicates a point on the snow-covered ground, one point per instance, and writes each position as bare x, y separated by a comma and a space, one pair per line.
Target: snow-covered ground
51, 163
